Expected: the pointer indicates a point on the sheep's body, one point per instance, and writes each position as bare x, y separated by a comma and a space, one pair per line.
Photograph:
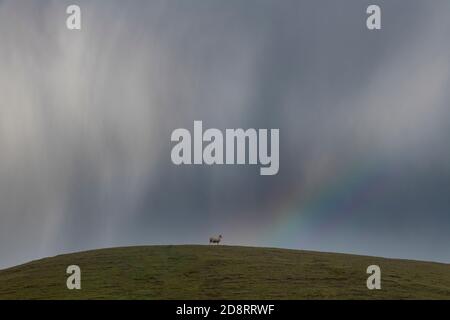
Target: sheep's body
215, 240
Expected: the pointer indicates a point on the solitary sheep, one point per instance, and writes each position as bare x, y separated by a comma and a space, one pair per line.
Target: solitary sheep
215, 240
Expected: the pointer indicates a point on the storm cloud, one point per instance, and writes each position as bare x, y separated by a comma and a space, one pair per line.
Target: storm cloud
86, 118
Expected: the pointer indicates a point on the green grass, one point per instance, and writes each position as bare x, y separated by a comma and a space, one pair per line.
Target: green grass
222, 272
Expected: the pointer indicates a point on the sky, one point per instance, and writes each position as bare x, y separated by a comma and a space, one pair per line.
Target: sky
86, 119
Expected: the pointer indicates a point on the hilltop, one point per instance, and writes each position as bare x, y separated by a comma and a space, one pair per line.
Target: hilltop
222, 272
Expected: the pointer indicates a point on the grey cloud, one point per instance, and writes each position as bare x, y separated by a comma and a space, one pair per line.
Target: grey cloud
86, 120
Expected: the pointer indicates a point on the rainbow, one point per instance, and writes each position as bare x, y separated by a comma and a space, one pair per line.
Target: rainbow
335, 199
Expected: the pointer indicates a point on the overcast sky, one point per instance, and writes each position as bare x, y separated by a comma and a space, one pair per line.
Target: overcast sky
86, 118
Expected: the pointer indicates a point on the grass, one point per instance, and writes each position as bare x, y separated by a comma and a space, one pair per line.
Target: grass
222, 272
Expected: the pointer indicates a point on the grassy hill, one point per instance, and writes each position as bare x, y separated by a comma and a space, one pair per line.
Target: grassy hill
222, 272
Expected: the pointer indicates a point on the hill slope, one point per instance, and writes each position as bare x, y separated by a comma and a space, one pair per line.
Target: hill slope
222, 272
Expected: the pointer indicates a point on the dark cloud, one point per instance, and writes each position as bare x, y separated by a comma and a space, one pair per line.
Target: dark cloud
87, 117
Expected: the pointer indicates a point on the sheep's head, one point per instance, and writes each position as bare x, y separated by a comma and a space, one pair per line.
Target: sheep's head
220, 236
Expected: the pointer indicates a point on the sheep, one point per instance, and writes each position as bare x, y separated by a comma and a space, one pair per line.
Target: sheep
215, 240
